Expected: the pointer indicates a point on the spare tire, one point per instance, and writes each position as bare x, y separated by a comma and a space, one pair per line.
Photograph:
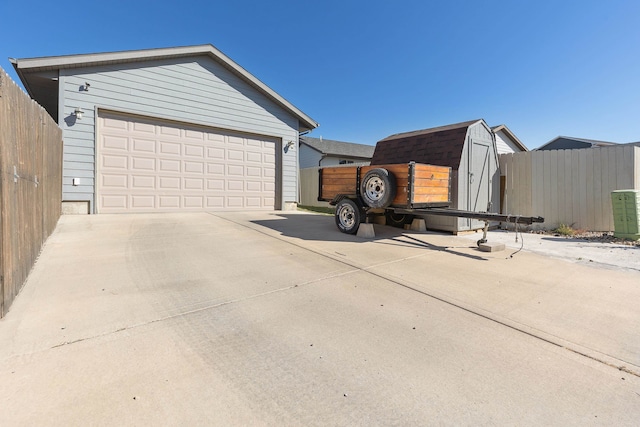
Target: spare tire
378, 188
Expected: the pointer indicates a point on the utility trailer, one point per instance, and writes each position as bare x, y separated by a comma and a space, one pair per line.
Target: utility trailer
397, 191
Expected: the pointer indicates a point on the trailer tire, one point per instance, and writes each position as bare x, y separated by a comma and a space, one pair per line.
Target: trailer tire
348, 216
398, 220
378, 188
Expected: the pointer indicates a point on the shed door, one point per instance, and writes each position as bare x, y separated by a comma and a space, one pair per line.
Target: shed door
150, 165
480, 174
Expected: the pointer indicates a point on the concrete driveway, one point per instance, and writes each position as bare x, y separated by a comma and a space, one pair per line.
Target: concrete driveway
279, 319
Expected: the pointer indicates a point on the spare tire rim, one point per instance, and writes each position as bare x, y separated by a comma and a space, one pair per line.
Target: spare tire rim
374, 188
347, 217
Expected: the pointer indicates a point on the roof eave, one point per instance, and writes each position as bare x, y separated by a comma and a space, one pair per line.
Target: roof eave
87, 60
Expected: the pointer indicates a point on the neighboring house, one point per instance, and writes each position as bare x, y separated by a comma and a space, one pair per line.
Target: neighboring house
469, 149
171, 129
570, 143
506, 141
316, 152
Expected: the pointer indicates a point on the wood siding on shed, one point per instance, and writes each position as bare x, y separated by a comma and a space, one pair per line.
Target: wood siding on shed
190, 90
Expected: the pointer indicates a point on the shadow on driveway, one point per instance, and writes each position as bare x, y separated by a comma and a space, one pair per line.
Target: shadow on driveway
310, 227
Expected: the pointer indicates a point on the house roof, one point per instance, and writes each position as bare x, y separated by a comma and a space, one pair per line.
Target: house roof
440, 146
339, 148
511, 136
588, 142
32, 70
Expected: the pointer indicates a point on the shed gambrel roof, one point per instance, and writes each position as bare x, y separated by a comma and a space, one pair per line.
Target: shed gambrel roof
338, 148
36, 72
440, 146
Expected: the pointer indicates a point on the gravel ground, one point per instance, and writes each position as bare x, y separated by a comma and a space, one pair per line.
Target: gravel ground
593, 236
599, 250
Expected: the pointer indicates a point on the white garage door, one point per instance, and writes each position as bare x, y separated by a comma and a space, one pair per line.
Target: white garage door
147, 165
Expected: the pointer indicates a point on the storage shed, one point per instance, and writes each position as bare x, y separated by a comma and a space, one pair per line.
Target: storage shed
469, 149
170, 129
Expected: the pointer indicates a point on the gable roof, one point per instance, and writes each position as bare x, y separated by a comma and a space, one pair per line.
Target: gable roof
29, 68
338, 148
511, 136
440, 146
565, 142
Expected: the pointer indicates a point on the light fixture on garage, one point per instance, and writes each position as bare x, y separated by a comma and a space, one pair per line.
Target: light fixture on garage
78, 112
288, 146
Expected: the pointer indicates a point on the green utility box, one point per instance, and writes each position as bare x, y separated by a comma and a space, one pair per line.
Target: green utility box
626, 214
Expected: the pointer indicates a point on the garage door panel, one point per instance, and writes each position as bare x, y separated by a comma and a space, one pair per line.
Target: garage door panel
193, 151
169, 202
215, 169
235, 170
170, 148
115, 202
254, 186
116, 181
169, 183
169, 130
147, 165
194, 135
143, 182
193, 184
235, 185
143, 202
143, 164
235, 155
115, 162
253, 157
215, 184
215, 153
253, 171
194, 167
144, 146
115, 142
165, 165
143, 127
235, 202
235, 140
194, 202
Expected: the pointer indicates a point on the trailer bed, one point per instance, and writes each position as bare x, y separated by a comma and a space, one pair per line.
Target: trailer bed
417, 185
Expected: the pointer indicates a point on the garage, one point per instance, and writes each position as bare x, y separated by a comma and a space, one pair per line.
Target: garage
166, 130
151, 165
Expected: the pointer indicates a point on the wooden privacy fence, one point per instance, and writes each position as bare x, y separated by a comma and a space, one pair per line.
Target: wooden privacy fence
30, 187
309, 181
571, 187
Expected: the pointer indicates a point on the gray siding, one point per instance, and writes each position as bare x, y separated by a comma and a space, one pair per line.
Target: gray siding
192, 90
309, 157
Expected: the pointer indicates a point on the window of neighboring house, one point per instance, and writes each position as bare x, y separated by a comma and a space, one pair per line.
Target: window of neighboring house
345, 162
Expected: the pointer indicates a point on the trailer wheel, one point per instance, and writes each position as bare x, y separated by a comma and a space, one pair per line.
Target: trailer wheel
378, 188
398, 220
348, 216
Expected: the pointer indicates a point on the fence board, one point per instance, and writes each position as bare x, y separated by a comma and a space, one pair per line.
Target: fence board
31, 186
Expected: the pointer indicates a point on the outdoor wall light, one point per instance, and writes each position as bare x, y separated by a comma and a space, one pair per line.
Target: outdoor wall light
289, 145
78, 112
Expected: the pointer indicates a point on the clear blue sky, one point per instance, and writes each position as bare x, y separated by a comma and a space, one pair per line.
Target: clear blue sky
367, 69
